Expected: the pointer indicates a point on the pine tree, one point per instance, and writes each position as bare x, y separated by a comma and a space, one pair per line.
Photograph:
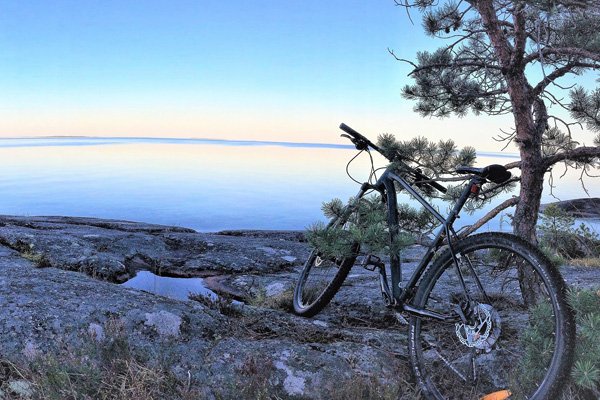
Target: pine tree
492, 46
585, 382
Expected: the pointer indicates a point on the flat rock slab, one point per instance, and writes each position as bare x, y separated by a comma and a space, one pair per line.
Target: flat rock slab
49, 311
115, 250
224, 351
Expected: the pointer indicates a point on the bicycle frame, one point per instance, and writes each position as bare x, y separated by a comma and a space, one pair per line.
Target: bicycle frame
400, 296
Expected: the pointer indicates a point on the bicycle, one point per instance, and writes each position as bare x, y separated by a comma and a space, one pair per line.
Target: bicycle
479, 306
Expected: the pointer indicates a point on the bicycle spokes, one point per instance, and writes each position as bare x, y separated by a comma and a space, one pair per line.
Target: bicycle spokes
492, 347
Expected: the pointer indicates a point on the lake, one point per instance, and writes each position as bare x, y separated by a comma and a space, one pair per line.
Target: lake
208, 185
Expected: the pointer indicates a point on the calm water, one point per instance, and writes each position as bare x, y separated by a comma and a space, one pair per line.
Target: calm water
175, 288
207, 185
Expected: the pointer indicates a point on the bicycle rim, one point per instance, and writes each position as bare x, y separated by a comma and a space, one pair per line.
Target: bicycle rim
320, 279
514, 342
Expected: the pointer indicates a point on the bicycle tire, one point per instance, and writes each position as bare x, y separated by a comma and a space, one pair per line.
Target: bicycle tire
324, 297
507, 356
308, 301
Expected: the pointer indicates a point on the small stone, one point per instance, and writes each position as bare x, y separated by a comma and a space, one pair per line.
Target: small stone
96, 331
31, 351
289, 258
268, 250
274, 289
322, 324
164, 322
21, 388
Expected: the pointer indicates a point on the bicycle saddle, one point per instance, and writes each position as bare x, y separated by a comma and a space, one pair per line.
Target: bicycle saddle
495, 173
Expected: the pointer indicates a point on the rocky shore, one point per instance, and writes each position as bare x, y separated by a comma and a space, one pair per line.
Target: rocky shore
60, 292
586, 208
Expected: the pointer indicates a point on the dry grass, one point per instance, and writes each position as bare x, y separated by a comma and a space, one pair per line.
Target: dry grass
591, 262
38, 259
107, 369
282, 301
223, 305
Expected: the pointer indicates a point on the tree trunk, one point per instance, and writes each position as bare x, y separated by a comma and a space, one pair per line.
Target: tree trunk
532, 180
531, 119
530, 128
530, 124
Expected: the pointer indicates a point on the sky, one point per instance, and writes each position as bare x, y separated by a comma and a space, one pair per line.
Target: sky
282, 70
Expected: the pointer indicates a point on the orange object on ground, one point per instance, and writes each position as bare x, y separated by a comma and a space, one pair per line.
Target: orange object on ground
499, 395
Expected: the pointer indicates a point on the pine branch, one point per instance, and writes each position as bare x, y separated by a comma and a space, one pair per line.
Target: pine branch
586, 107
548, 79
562, 51
585, 154
458, 64
487, 217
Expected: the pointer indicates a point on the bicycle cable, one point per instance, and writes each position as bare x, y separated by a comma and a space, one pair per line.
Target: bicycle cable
348, 166
372, 173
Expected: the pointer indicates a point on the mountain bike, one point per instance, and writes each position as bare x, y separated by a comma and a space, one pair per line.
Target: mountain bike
487, 313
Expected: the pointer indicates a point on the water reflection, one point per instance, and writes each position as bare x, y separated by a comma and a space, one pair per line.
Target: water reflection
175, 288
205, 185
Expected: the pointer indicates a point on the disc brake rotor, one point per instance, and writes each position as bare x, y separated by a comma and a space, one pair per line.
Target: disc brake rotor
484, 330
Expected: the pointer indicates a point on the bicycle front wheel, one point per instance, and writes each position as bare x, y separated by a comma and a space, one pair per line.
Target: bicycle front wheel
323, 275
512, 337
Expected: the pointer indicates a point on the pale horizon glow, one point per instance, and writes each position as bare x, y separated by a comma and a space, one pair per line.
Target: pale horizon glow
211, 69
266, 71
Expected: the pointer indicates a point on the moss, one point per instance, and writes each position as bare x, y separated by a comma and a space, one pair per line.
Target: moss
40, 260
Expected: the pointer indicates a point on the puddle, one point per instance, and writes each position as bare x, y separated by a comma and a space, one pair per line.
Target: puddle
175, 288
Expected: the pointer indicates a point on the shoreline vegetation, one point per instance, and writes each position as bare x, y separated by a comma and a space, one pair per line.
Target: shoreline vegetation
69, 331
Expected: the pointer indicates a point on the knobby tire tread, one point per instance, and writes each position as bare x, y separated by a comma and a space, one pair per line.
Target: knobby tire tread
554, 383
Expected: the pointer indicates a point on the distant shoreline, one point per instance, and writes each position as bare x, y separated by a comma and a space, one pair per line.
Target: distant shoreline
39, 141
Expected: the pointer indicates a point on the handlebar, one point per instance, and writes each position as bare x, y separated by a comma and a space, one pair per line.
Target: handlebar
359, 141
362, 143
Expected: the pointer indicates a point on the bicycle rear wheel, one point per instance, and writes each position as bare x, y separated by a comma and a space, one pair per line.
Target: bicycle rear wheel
516, 339
322, 275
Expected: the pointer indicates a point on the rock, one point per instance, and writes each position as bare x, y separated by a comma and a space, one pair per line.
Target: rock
114, 250
96, 331
220, 349
50, 311
21, 388
165, 323
579, 208
35, 299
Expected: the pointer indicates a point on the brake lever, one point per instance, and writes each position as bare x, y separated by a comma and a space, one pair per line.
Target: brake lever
358, 143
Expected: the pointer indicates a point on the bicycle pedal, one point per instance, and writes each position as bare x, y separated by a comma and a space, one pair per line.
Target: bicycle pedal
372, 262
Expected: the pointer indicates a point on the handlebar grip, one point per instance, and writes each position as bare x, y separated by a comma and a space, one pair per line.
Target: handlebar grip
351, 132
366, 142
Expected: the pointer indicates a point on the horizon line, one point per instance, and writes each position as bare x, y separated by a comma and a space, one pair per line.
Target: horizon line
243, 142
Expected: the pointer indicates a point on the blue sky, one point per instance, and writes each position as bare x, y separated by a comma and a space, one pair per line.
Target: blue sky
258, 70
